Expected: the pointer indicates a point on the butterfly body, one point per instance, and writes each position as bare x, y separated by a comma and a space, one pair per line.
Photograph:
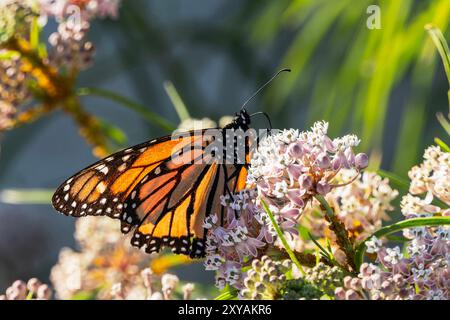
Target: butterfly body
155, 193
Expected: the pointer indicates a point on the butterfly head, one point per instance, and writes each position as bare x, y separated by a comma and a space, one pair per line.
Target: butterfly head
241, 120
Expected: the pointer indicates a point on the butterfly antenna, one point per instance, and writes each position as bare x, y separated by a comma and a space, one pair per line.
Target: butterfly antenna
263, 86
265, 115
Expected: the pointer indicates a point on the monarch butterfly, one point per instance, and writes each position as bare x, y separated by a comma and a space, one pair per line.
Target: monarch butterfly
162, 199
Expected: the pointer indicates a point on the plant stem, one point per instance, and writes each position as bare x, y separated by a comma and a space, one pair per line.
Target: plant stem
282, 238
89, 126
340, 231
177, 102
139, 108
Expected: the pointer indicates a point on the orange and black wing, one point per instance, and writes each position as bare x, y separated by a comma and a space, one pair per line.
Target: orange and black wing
150, 187
102, 188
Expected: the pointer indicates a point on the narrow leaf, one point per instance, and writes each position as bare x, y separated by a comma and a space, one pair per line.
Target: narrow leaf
177, 102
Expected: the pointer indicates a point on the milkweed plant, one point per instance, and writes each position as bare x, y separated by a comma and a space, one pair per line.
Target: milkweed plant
312, 223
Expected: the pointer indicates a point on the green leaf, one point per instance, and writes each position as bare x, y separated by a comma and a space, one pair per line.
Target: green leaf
35, 32
85, 295
442, 47
405, 224
26, 196
319, 247
444, 122
397, 180
114, 133
8, 54
177, 102
29, 296
148, 115
442, 144
281, 236
228, 294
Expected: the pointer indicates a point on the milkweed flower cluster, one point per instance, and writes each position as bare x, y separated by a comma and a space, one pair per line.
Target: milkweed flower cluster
86, 9
270, 279
147, 288
107, 267
16, 17
41, 75
13, 89
33, 289
362, 206
265, 279
70, 49
429, 181
421, 271
290, 167
422, 274
241, 237
104, 258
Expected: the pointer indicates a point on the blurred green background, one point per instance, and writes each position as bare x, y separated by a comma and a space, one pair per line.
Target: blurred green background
385, 85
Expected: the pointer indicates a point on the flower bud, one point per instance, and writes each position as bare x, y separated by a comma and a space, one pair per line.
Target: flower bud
294, 171
323, 161
352, 295
355, 284
295, 150
339, 293
260, 287
33, 285
290, 213
305, 182
156, 296
295, 195
43, 292
323, 187
361, 161
347, 281
187, 289
350, 156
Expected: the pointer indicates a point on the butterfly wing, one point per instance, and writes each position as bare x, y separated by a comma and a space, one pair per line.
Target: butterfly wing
156, 188
171, 202
172, 211
102, 188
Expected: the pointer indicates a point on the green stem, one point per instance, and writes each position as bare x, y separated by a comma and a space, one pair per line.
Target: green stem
150, 116
405, 224
26, 196
282, 238
177, 102
340, 232
442, 144
444, 122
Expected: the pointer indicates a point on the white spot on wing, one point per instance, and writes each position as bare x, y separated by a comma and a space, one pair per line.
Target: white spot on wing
104, 170
101, 187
